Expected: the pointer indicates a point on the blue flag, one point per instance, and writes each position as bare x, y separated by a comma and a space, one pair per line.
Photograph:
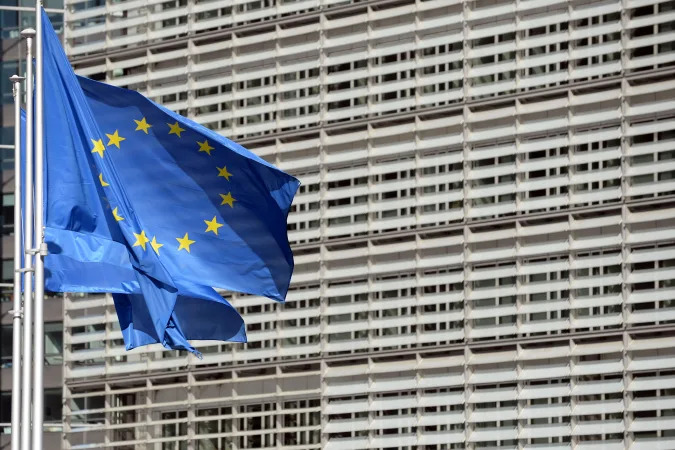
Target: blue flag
157, 209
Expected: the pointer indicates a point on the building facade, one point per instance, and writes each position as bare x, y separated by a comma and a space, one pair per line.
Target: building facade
484, 238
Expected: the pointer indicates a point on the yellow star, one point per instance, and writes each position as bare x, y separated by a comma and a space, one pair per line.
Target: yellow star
117, 216
155, 245
212, 225
98, 147
142, 125
100, 178
185, 243
115, 139
175, 129
205, 147
141, 239
227, 199
222, 172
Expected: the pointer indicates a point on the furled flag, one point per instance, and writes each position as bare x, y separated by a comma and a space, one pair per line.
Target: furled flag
156, 209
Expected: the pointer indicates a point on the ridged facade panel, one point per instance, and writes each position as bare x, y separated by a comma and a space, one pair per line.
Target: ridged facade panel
484, 238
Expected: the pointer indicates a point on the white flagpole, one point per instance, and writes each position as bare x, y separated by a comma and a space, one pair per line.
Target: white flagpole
16, 313
39, 350
28, 245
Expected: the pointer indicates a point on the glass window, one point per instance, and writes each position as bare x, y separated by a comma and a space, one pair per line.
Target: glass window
175, 429
7, 270
53, 405
6, 346
87, 403
5, 407
53, 343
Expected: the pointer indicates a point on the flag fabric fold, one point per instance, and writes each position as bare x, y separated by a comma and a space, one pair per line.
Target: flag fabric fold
156, 209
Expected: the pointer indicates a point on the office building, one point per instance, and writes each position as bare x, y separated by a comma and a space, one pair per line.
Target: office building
484, 238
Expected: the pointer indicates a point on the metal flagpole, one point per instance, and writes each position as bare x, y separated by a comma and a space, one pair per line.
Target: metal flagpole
28, 245
39, 351
16, 313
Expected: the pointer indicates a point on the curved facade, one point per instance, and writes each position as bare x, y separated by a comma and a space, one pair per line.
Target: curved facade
484, 239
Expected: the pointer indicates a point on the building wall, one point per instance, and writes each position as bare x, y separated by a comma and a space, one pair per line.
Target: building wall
483, 240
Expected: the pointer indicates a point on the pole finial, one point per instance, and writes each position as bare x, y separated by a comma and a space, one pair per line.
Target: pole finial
15, 79
28, 33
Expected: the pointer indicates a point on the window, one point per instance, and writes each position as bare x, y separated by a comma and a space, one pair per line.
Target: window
178, 427
7, 270
53, 343
52, 404
6, 346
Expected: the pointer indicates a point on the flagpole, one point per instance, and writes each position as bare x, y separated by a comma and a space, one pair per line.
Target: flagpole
16, 313
28, 245
39, 350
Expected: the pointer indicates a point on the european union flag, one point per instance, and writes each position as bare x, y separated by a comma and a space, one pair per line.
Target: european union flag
156, 209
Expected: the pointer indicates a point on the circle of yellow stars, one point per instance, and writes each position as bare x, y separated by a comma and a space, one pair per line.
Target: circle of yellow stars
142, 239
